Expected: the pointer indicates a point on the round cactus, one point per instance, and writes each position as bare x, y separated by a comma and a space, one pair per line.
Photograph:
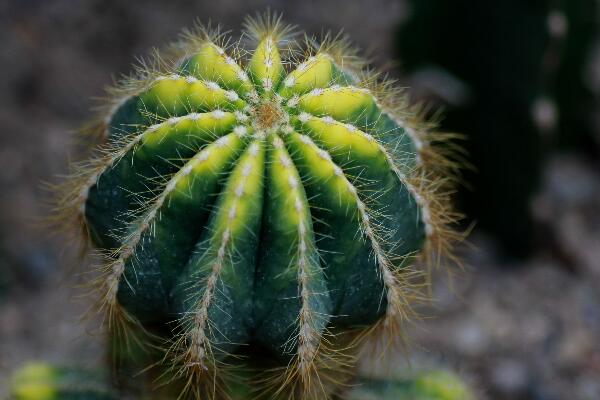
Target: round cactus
267, 201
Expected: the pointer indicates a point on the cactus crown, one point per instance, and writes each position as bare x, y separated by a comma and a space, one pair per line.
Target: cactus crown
275, 198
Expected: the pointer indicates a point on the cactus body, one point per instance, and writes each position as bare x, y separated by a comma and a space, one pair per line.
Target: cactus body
260, 202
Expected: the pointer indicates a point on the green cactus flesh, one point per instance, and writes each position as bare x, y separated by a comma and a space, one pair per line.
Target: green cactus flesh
257, 202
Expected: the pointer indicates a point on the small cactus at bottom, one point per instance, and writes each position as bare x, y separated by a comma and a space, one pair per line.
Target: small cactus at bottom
427, 385
267, 202
43, 381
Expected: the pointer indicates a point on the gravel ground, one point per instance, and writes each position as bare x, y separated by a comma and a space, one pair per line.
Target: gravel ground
527, 330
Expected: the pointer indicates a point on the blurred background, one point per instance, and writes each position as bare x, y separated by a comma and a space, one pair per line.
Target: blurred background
521, 81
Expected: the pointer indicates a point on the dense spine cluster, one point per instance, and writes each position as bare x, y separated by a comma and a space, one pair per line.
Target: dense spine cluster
261, 204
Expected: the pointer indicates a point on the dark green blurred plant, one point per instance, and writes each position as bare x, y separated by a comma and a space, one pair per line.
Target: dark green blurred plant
522, 65
574, 98
4, 280
5, 276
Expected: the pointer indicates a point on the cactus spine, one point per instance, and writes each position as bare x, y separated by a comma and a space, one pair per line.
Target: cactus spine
266, 200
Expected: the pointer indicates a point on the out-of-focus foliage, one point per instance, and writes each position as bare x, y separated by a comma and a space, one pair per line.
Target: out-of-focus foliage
5, 277
512, 77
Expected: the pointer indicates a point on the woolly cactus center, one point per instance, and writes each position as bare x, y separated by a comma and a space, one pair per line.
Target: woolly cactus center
268, 115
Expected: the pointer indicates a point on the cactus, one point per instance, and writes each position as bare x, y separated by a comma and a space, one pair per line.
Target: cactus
426, 385
272, 203
42, 381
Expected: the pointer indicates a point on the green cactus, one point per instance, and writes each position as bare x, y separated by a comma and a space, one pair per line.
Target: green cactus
42, 381
427, 385
267, 201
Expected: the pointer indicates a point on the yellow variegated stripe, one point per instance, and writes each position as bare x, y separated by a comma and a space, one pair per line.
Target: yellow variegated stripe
344, 103
316, 72
176, 95
265, 66
344, 139
179, 129
211, 63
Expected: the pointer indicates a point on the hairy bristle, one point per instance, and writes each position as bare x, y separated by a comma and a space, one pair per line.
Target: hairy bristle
339, 47
268, 24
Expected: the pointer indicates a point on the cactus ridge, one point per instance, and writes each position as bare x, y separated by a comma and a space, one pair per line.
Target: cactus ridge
276, 198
